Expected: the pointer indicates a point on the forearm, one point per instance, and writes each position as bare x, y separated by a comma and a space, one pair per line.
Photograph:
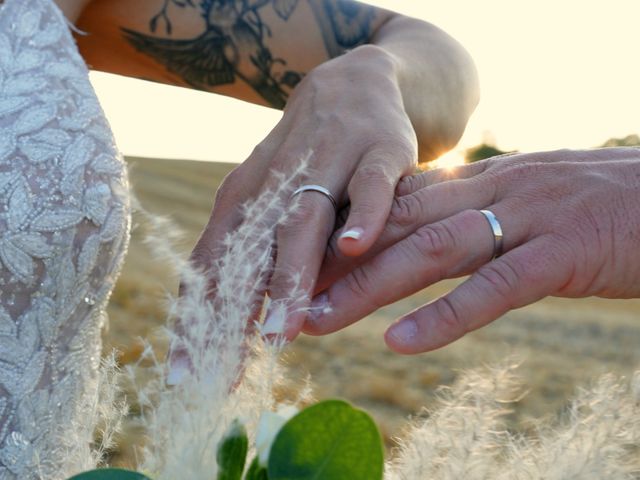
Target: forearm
256, 50
260, 53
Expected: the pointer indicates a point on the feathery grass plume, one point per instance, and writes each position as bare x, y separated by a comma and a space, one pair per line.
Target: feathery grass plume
460, 437
111, 408
85, 442
598, 439
184, 423
463, 437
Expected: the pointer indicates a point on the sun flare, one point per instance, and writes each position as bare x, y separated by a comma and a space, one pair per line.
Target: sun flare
449, 160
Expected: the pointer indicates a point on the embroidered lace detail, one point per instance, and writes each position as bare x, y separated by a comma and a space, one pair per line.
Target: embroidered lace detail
64, 218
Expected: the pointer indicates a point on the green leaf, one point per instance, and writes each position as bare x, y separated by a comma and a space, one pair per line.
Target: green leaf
110, 474
256, 471
330, 440
232, 452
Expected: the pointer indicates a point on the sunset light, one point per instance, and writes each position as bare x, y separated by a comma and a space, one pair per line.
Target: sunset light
451, 159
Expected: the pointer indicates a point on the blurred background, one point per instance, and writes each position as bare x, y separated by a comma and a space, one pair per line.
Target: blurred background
553, 75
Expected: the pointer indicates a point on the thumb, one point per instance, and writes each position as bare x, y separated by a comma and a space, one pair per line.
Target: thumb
371, 192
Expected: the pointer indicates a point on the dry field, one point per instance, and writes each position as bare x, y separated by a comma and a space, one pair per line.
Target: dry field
562, 343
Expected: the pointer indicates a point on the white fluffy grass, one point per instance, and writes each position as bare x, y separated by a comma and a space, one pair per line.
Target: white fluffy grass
461, 437
184, 423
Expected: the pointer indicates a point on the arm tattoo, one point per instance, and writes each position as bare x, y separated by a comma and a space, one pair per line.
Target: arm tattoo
344, 24
232, 44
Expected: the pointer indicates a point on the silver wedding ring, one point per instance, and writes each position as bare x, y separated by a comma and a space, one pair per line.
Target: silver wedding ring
319, 189
496, 229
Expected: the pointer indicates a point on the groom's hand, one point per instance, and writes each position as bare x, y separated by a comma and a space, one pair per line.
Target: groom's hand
571, 225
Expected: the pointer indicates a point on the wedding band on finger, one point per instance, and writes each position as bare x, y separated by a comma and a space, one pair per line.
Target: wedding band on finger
496, 229
319, 189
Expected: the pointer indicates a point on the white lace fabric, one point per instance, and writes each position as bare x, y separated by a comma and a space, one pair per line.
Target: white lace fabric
64, 219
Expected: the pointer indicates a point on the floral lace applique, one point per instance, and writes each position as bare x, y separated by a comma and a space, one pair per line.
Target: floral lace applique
64, 219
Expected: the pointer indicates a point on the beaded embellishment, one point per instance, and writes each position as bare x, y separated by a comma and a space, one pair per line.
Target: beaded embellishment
64, 219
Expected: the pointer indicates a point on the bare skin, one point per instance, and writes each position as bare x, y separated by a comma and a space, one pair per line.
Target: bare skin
571, 223
370, 92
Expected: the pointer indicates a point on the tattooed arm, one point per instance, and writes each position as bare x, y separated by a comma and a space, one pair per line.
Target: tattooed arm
374, 91
259, 50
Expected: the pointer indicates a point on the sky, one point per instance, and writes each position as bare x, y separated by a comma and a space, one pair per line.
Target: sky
553, 74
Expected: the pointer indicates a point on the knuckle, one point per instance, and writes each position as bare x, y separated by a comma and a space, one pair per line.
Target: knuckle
521, 171
450, 317
405, 211
401, 147
501, 278
359, 283
231, 184
262, 150
410, 184
371, 175
436, 239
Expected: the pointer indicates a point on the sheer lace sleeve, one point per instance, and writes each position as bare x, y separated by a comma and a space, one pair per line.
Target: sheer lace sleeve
64, 219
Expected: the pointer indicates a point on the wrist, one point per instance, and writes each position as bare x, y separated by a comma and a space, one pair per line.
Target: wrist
365, 63
437, 79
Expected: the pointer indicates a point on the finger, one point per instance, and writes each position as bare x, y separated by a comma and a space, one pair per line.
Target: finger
408, 213
371, 192
446, 249
301, 242
412, 183
520, 277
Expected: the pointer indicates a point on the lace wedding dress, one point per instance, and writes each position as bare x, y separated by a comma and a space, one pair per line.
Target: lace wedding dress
64, 218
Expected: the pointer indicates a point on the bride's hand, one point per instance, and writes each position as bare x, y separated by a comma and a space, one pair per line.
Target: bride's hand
349, 113
571, 225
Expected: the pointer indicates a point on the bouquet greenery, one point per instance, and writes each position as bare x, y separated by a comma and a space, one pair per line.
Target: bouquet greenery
328, 440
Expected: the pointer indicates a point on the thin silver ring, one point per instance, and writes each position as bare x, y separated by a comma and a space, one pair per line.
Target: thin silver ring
319, 189
496, 229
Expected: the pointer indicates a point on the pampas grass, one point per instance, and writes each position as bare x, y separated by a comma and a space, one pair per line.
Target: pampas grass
184, 423
463, 436
460, 436
86, 441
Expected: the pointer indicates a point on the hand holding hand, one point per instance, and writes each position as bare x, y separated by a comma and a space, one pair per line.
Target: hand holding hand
349, 112
571, 224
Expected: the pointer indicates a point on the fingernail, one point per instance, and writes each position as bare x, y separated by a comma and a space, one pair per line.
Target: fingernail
354, 233
319, 306
274, 322
404, 331
178, 370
